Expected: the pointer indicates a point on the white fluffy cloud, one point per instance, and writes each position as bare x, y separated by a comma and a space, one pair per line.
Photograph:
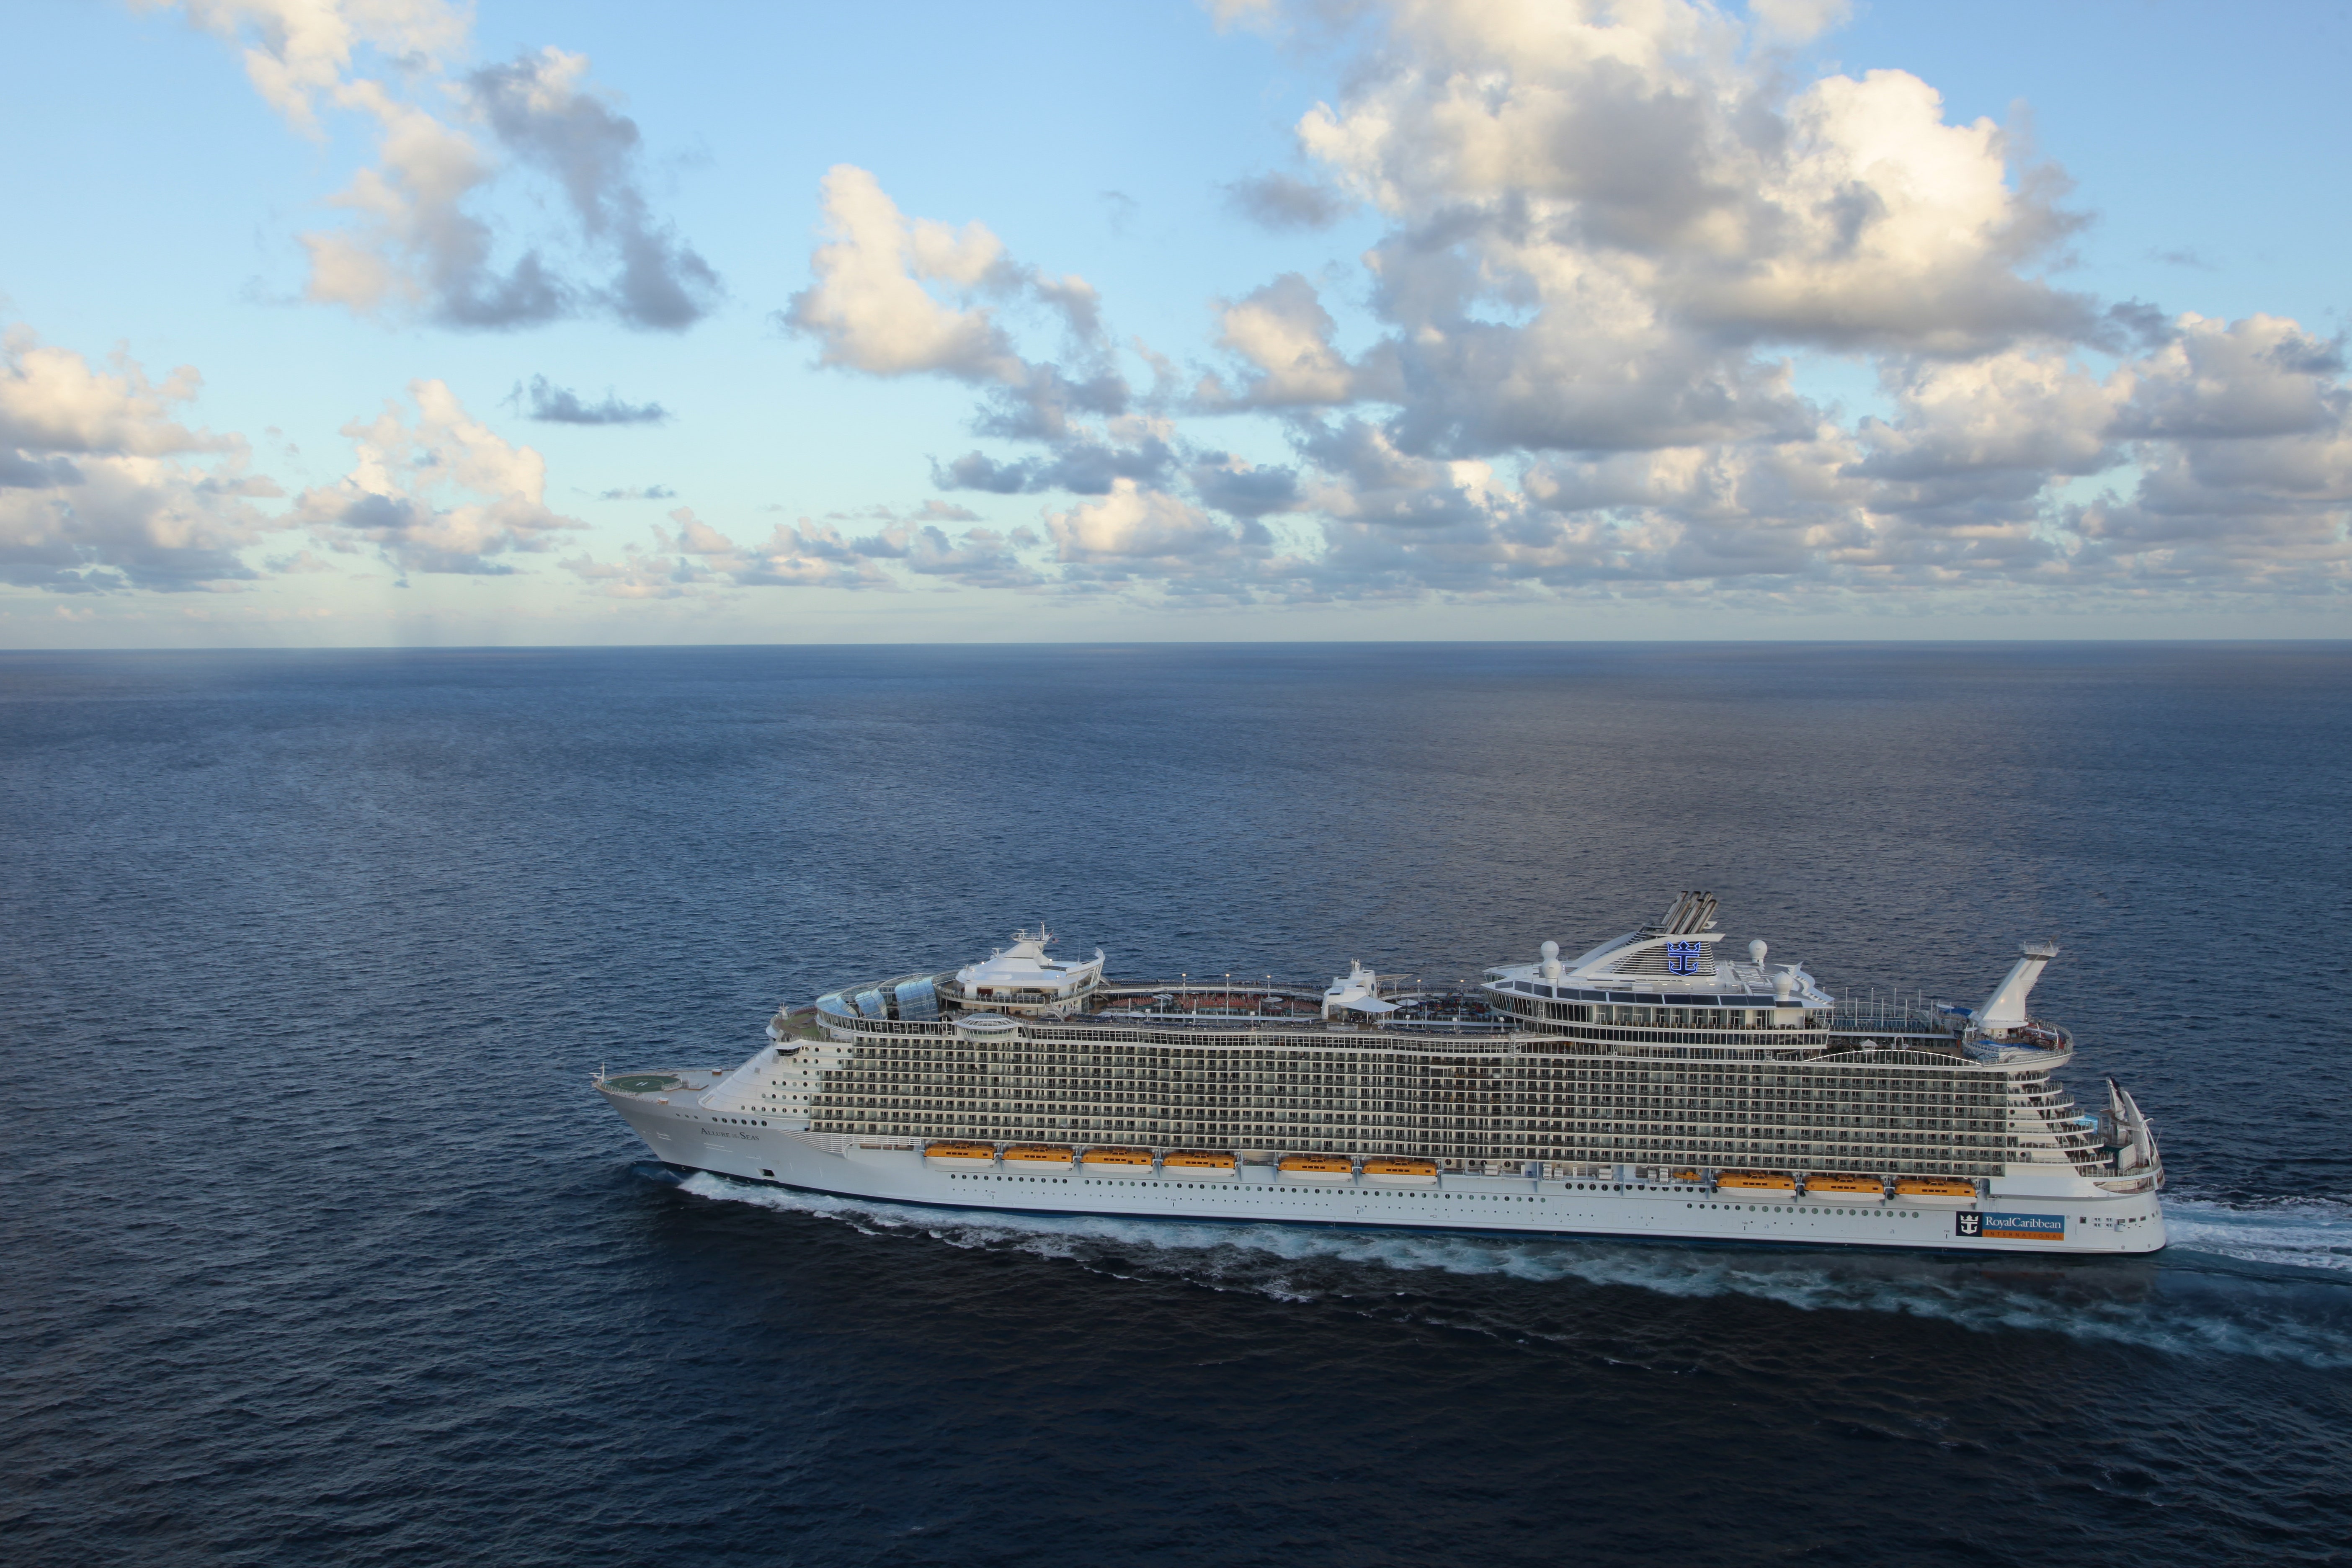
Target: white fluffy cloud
421, 240
1609, 224
445, 493
103, 487
1612, 233
1602, 212
875, 306
869, 307
1285, 335
1132, 525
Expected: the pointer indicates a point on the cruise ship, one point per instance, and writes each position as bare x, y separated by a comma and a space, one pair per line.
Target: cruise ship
1669, 1083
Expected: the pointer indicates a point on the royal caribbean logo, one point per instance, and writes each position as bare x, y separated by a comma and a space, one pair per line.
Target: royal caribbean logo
1682, 958
2010, 1226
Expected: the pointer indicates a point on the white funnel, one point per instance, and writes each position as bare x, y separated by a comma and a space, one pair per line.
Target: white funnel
2005, 1009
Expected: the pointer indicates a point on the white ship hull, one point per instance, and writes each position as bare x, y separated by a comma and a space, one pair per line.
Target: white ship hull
684, 1134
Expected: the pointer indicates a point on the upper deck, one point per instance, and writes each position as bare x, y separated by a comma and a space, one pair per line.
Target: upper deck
1653, 1047
1668, 989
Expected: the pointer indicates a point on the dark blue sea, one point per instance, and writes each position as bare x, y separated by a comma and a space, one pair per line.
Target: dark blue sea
315, 1246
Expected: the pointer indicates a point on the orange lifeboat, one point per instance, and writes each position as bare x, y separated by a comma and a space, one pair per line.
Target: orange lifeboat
1947, 1187
1117, 1161
1209, 1161
964, 1155
1852, 1189
1317, 1167
1757, 1182
1393, 1171
1041, 1156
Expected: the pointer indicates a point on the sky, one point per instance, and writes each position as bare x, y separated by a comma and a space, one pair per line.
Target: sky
402, 322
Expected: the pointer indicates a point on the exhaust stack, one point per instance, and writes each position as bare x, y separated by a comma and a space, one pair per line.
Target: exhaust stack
2005, 1009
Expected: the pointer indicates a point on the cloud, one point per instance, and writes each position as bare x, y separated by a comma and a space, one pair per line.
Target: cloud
693, 559
561, 405
1239, 489
870, 309
978, 558
1081, 467
933, 509
646, 492
418, 242
52, 399
2261, 376
542, 114
301, 563
18, 471
1796, 21
894, 297
1280, 203
2241, 434
1605, 226
299, 51
1571, 362
1599, 219
443, 494
2036, 412
1284, 334
1631, 168
1253, 15
1132, 525
101, 485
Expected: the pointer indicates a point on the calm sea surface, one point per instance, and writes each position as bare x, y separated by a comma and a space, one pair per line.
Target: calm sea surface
315, 1246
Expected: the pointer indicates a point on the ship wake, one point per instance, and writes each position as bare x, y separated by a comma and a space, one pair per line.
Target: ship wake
2293, 1233
2269, 1282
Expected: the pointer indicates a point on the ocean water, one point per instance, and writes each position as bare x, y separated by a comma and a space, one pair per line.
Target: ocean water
317, 1250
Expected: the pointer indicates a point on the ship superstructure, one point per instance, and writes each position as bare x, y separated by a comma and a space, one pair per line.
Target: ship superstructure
1667, 1083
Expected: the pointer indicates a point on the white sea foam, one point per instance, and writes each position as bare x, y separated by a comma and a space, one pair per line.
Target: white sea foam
2291, 1233
2122, 1302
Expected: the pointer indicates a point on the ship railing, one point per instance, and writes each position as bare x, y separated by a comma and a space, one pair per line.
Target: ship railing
1909, 1013
1196, 987
1270, 1023
2034, 1039
1190, 995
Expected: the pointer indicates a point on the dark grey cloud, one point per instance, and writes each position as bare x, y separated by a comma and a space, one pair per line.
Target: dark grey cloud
561, 405
2136, 324
66, 567
979, 558
539, 113
18, 471
1279, 202
1243, 491
978, 471
1086, 469
470, 293
1041, 406
2306, 355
